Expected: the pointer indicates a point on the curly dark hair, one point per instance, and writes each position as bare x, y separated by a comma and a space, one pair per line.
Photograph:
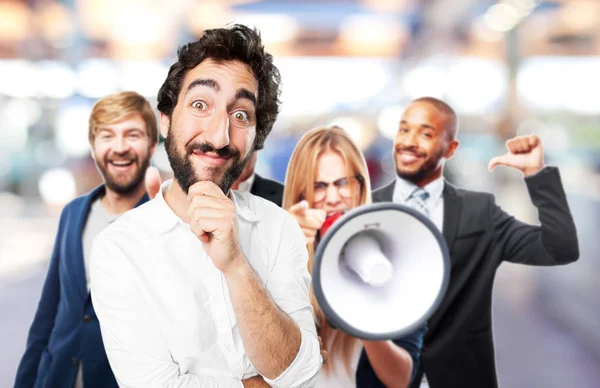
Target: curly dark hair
236, 42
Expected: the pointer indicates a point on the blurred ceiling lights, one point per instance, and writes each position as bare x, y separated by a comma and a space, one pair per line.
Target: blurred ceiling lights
57, 187
97, 77
358, 129
388, 121
506, 14
203, 15
140, 29
18, 78
55, 22
560, 84
71, 128
15, 25
314, 86
373, 35
144, 77
273, 27
16, 116
56, 79
387, 6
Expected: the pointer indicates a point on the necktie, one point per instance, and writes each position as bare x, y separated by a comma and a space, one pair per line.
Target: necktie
418, 201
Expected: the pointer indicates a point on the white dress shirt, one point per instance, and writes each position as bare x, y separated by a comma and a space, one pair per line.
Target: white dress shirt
165, 313
434, 204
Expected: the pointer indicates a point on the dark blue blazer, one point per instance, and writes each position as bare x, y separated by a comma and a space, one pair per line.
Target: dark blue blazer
65, 330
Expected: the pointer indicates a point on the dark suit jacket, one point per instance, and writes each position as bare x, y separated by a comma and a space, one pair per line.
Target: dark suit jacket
458, 348
267, 189
65, 330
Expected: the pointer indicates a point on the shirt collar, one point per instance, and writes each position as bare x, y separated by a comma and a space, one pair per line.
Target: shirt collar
403, 189
247, 184
165, 218
242, 206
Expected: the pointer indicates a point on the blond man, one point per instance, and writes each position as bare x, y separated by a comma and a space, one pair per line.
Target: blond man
64, 347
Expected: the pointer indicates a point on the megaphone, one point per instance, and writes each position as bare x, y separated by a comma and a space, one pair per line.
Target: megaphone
380, 271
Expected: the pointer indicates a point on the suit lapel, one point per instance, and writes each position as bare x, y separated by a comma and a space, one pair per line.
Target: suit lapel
263, 190
259, 189
385, 194
453, 204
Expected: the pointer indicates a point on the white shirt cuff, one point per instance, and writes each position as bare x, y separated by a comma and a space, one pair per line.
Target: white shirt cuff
305, 366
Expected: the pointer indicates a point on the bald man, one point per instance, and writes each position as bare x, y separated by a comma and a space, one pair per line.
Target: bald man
458, 349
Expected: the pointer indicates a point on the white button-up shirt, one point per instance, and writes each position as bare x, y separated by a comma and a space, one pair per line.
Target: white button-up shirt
164, 309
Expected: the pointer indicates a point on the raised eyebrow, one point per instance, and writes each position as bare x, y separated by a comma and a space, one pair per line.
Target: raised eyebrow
243, 93
208, 82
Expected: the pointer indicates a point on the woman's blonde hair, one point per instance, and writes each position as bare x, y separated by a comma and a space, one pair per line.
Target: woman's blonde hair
299, 185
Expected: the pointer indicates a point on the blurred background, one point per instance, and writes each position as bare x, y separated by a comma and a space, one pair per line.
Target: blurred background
508, 67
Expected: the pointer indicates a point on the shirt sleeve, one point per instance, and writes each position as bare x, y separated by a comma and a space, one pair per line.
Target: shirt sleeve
136, 353
289, 282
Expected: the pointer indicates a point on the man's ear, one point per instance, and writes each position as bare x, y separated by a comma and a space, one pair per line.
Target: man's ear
451, 149
165, 122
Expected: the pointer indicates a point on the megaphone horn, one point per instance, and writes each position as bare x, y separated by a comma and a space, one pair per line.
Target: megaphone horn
380, 271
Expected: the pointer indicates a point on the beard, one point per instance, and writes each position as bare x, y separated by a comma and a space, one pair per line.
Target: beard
185, 174
120, 186
428, 167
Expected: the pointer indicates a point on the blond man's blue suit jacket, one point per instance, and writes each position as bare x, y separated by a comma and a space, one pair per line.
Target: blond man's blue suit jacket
65, 330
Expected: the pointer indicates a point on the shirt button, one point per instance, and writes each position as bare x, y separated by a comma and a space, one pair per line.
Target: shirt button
74, 361
86, 318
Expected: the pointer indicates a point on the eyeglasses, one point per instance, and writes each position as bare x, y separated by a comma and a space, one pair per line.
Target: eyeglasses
347, 187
